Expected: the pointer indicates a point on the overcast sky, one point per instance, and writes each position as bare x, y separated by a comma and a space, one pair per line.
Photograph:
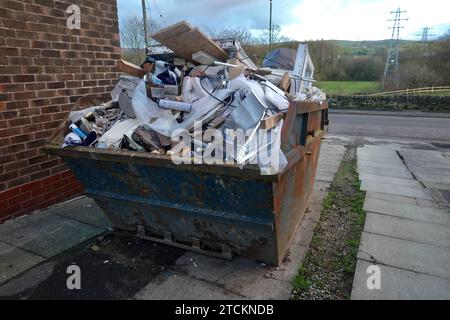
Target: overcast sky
301, 19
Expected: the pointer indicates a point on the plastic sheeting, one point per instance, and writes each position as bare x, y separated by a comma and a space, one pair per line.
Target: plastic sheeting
162, 120
282, 58
112, 139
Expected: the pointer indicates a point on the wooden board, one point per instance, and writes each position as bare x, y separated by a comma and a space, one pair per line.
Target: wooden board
184, 40
131, 69
310, 106
272, 121
285, 82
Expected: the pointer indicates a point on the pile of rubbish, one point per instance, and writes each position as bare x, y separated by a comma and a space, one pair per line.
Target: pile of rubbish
192, 86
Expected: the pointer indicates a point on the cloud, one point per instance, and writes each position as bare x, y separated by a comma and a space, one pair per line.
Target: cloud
301, 19
362, 20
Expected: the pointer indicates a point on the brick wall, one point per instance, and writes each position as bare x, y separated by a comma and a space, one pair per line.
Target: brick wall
44, 68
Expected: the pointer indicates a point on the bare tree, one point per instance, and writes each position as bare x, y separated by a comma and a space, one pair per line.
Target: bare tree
242, 35
133, 40
416, 75
132, 33
277, 36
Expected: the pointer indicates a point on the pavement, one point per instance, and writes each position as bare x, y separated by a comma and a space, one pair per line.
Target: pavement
395, 127
399, 113
407, 229
403, 165
36, 250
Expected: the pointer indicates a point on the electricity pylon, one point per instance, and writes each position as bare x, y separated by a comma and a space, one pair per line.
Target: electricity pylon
391, 67
425, 39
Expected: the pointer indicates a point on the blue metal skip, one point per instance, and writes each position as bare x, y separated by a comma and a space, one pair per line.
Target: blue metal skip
213, 209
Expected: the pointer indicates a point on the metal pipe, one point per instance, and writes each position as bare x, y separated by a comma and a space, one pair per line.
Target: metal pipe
144, 15
270, 26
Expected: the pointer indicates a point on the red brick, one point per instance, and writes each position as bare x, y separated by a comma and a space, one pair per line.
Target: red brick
23, 78
45, 69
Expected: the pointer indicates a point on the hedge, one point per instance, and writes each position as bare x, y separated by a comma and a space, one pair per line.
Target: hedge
393, 103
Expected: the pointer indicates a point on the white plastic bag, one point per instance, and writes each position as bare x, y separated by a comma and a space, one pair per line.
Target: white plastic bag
113, 137
192, 89
144, 108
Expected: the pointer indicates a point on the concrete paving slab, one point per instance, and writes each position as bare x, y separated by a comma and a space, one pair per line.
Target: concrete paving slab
391, 180
328, 168
332, 146
431, 171
321, 185
413, 256
439, 186
325, 177
384, 148
376, 161
435, 178
255, 286
377, 153
27, 280
373, 185
288, 270
381, 166
407, 229
14, 261
179, 287
83, 210
403, 210
46, 234
381, 163
412, 192
268, 289
372, 156
316, 209
388, 172
429, 164
203, 267
398, 284
316, 198
425, 158
400, 199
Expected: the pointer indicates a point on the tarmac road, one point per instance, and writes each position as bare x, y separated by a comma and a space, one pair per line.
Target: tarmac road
399, 127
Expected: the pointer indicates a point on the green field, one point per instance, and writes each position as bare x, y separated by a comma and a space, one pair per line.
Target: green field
445, 93
348, 87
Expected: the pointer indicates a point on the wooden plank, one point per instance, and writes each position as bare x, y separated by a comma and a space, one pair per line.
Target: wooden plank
310, 106
131, 69
285, 82
172, 31
272, 121
185, 40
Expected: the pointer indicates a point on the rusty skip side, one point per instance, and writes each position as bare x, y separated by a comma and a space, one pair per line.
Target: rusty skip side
218, 209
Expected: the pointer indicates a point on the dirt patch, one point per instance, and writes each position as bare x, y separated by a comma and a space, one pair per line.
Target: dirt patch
112, 267
328, 269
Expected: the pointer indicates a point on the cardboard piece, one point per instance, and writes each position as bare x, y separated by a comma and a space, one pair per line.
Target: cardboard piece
186, 40
233, 73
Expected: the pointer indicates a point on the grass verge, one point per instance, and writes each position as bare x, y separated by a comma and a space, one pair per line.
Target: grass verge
348, 87
327, 271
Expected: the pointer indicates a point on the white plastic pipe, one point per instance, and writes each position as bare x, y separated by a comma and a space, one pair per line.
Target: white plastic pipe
175, 105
